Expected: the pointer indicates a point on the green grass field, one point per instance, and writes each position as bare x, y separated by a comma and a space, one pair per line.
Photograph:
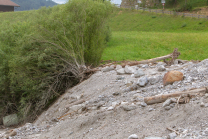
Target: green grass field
138, 36
142, 35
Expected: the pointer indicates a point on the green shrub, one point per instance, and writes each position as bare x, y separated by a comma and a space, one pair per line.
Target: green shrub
42, 57
185, 7
183, 25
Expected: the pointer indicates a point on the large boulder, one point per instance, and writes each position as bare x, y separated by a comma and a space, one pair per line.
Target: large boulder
172, 76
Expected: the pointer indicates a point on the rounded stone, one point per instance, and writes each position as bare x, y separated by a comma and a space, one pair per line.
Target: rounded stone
133, 136
172, 76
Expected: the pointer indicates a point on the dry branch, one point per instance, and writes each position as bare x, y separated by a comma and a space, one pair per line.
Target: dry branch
162, 98
173, 55
173, 130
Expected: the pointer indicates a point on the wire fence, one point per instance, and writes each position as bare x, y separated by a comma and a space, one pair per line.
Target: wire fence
159, 11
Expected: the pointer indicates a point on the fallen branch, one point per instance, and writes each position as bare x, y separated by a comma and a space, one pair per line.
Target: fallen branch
173, 130
162, 98
173, 55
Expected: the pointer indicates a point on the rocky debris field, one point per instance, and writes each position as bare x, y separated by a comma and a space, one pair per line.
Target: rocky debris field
110, 105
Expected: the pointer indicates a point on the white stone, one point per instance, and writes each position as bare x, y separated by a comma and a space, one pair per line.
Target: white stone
120, 71
118, 67
114, 104
124, 103
110, 108
129, 70
138, 73
77, 108
107, 68
133, 136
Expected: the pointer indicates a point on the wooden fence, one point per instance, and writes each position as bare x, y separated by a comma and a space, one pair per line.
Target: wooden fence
167, 12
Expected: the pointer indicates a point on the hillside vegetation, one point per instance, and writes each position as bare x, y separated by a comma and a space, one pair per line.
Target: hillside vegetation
44, 52
33, 4
143, 35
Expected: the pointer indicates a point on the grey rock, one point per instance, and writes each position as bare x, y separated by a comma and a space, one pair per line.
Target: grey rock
206, 95
116, 93
202, 104
152, 72
167, 108
120, 71
138, 73
114, 104
153, 80
142, 81
143, 104
120, 78
129, 107
167, 102
172, 105
77, 108
132, 87
172, 135
118, 67
136, 96
153, 138
106, 69
10, 120
160, 63
150, 109
101, 103
145, 66
128, 69
161, 68
133, 136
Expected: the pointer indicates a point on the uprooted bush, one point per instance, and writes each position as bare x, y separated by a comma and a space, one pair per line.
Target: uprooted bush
41, 58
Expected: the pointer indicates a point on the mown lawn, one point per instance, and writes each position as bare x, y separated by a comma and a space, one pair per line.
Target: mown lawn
138, 36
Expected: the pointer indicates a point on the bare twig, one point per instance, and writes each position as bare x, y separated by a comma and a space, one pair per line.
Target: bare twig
177, 104
170, 129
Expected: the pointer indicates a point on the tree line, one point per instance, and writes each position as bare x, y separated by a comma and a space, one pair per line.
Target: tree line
33, 4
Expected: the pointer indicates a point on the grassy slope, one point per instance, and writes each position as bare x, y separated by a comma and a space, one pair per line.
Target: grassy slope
138, 36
